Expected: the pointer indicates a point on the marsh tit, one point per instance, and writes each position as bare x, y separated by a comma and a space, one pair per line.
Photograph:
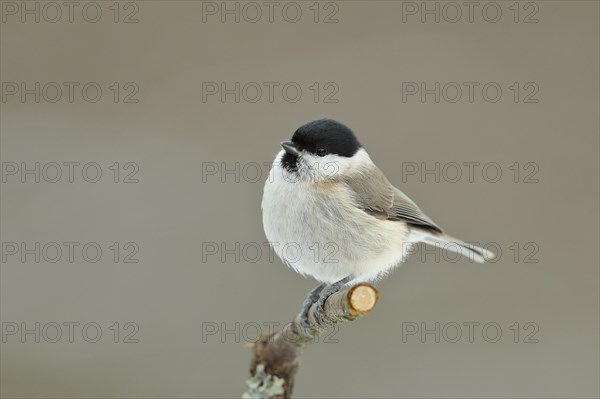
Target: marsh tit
330, 213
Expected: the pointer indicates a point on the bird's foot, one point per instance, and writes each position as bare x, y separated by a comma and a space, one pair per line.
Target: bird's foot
326, 293
311, 298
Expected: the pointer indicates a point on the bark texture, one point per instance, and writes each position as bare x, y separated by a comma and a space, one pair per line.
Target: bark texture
280, 353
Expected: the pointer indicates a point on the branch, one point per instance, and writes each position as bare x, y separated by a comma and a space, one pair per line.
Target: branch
276, 356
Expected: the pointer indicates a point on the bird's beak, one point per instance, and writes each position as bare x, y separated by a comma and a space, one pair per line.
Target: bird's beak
289, 147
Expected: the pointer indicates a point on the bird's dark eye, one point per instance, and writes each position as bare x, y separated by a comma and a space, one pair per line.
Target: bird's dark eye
321, 151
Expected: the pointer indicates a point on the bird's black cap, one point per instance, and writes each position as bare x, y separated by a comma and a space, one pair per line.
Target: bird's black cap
326, 136
321, 137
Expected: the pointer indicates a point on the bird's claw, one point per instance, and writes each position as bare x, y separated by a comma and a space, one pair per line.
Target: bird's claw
320, 309
305, 327
310, 299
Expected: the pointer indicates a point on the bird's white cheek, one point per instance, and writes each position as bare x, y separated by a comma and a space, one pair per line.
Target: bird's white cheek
324, 168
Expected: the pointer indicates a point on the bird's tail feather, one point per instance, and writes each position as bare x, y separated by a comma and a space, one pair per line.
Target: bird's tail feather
472, 252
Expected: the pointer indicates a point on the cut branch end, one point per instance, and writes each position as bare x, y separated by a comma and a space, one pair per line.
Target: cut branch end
362, 298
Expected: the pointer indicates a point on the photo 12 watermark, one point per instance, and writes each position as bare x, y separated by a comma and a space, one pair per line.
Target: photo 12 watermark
69, 252
471, 12
451, 332
70, 12
254, 252
270, 92
470, 92
470, 172
71, 332
69, 172
251, 332
253, 12
69, 92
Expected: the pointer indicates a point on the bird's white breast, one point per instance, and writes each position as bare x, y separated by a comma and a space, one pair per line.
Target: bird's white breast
316, 229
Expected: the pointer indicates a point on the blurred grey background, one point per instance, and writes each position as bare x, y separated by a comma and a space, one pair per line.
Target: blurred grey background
200, 288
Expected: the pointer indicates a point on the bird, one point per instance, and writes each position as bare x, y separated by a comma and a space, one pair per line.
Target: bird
330, 213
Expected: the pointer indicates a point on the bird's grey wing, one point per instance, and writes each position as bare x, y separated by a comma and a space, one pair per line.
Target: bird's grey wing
376, 196
404, 208
372, 193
